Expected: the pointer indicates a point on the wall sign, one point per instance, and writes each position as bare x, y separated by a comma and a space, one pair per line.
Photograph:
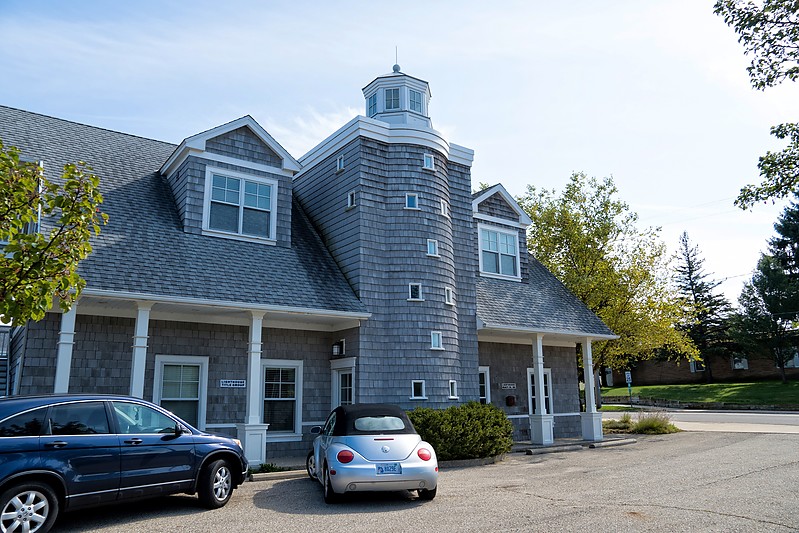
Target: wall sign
508, 386
233, 383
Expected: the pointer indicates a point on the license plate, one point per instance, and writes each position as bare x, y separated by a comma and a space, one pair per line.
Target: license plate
388, 468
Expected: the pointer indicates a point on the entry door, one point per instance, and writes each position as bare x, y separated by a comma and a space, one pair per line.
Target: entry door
532, 390
343, 390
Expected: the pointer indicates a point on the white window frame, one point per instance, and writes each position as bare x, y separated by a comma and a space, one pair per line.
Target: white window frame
297, 364
410, 101
351, 200
338, 367
371, 105
386, 100
428, 162
408, 196
743, 363
340, 163
495, 229
436, 340
445, 208
548, 400
484, 370
207, 230
432, 248
696, 366
410, 292
449, 296
424, 389
453, 389
202, 361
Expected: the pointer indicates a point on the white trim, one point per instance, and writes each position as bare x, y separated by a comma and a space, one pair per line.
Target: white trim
378, 130
415, 196
527, 417
352, 200
139, 352
431, 159
497, 220
434, 242
338, 367
209, 173
424, 390
516, 329
410, 292
201, 361
524, 218
453, 389
196, 143
445, 212
499, 231
297, 364
433, 344
449, 296
66, 342
487, 371
219, 158
340, 163
548, 397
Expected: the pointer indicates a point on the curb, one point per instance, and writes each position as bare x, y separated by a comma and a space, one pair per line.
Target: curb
611, 443
278, 476
553, 449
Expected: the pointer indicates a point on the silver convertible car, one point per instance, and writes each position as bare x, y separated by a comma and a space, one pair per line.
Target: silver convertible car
371, 447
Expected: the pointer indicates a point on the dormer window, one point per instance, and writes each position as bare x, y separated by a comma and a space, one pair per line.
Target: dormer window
499, 252
392, 99
238, 204
415, 100
372, 105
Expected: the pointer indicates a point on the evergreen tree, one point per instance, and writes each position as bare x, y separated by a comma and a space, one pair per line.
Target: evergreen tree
706, 312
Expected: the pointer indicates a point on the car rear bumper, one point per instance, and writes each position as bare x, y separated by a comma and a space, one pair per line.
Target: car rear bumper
363, 478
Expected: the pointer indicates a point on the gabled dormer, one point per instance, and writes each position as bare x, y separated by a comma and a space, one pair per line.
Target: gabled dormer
501, 234
397, 98
234, 181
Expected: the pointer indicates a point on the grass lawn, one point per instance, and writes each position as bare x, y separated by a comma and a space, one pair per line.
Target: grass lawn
619, 408
759, 393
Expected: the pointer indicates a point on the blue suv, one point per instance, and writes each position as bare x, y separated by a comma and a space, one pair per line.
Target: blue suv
66, 452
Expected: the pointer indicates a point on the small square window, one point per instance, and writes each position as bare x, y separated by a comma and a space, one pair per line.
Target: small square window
351, 199
445, 208
411, 201
392, 99
418, 390
436, 340
453, 389
415, 292
340, 163
449, 296
432, 247
429, 163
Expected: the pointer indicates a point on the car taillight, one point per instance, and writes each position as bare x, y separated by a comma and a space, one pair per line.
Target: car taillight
345, 456
424, 454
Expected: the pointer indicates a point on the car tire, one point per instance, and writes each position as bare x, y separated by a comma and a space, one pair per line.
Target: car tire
33, 504
425, 494
310, 465
215, 485
331, 496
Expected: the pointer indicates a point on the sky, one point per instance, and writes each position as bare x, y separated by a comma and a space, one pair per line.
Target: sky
653, 93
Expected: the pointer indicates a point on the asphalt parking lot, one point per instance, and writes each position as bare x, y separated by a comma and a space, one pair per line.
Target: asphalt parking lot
689, 481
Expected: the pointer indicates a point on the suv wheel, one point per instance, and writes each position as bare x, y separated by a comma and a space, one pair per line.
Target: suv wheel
28, 507
216, 484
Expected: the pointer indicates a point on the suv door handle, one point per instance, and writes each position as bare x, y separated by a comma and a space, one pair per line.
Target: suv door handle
56, 444
133, 441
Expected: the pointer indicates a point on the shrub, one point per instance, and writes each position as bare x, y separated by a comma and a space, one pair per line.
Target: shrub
468, 431
654, 424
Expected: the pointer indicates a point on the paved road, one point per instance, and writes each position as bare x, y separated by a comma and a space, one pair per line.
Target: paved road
689, 481
734, 421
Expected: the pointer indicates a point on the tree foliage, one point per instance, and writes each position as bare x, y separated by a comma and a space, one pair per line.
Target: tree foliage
588, 238
706, 313
769, 32
45, 228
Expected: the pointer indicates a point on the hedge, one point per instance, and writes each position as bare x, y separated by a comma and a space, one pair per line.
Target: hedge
468, 431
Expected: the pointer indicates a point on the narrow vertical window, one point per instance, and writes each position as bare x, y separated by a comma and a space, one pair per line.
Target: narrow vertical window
436, 340
449, 296
372, 105
411, 201
351, 199
453, 389
428, 163
415, 101
418, 390
432, 247
484, 382
415, 291
340, 163
445, 208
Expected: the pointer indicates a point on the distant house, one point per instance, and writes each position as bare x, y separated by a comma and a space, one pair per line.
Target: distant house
722, 369
250, 292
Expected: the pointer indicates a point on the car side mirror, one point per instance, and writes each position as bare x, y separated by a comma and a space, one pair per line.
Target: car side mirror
316, 430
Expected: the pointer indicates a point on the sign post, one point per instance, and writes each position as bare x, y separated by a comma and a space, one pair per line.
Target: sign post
628, 376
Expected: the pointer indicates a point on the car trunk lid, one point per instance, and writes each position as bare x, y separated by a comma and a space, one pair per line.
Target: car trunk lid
384, 447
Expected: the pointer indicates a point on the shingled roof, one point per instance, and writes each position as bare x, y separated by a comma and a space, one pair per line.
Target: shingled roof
143, 248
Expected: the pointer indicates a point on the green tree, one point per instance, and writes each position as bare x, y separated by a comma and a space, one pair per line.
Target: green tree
588, 238
765, 322
44, 233
769, 32
706, 313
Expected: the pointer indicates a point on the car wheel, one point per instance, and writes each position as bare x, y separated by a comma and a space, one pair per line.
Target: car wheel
331, 496
310, 465
29, 507
216, 484
425, 494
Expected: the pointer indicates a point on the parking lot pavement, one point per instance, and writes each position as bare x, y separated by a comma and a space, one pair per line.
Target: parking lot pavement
688, 481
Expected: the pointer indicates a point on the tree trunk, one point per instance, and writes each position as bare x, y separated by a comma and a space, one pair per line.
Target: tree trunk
708, 371
782, 372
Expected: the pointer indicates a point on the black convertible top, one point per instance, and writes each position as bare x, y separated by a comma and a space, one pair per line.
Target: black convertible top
346, 415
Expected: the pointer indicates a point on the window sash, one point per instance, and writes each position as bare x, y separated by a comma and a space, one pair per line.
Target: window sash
416, 101
372, 111
392, 99
499, 252
244, 210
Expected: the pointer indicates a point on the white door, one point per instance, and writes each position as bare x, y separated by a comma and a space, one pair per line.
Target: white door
532, 389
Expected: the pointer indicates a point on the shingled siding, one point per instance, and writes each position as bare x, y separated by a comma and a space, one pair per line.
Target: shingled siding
322, 192
243, 144
496, 206
36, 348
101, 355
508, 363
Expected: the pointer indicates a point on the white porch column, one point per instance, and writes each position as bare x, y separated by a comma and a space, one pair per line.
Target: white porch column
66, 341
252, 433
139, 359
591, 420
541, 423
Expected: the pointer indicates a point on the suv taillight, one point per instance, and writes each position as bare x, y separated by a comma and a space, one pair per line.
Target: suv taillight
345, 456
424, 454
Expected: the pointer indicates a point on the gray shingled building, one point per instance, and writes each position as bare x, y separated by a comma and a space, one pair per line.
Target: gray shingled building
250, 292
